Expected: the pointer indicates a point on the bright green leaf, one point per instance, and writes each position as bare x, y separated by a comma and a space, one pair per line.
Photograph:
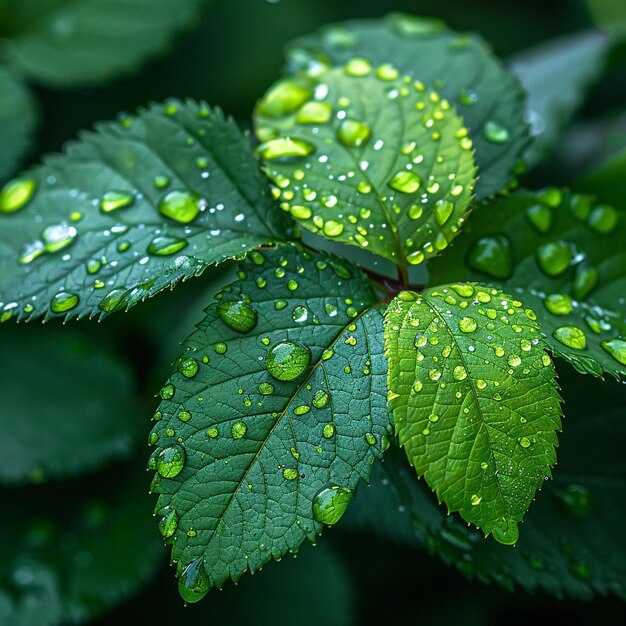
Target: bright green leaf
18, 118
372, 160
562, 254
572, 540
555, 76
67, 405
474, 400
275, 414
459, 66
130, 210
64, 42
69, 557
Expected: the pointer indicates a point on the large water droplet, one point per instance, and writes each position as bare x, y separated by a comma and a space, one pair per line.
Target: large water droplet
315, 113
320, 399
285, 148
165, 245
284, 98
238, 430
559, 304
603, 219
617, 349
357, 67
16, 194
492, 255
540, 216
506, 531
113, 200
331, 503
238, 315
170, 461
181, 206
353, 134
554, 257
188, 367
64, 301
287, 360
58, 236
194, 582
405, 181
113, 301
169, 522
571, 336
443, 211
585, 280
495, 132
467, 324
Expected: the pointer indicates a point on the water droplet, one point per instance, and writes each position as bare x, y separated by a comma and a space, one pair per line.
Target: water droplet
467, 324
161, 182
331, 503
495, 132
188, 367
64, 301
238, 430
476, 499
113, 200
284, 98
320, 399
168, 523
358, 67
559, 304
170, 461
287, 360
540, 216
16, 194
571, 336
405, 181
514, 360
300, 314
603, 219
238, 315
328, 431
166, 245
353, 134
617, 349
212, 432
554, 257
492, 255
468, 97
58, 236
315, 113
301, 212
194, 582
184, 416
585, 280
303, 409
220, 348
524, 442
580, 570
576, 500
459, 373
181, 206
506, 531
30, 251
113, 301
443, 211
332, 228
290, 473
285, 148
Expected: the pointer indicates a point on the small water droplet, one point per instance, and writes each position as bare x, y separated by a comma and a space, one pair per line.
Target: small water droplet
238, 315
284, 98
169, 522
58, 236
540, 216
165, 245
603, 219
114, 200
188, 367
495, 132
170, 461
290, 473
320, 399
64, 301
238, 430
285, 148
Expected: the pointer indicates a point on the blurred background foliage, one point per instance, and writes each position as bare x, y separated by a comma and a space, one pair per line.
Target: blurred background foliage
228, 54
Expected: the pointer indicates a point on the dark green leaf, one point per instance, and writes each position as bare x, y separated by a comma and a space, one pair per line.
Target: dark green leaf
474, 400
64, 42
275, 414
18, 118
607, 179
555, 76
561, 254
572, 540
130, 210
67, 405
66, 558
370, 159
459, 66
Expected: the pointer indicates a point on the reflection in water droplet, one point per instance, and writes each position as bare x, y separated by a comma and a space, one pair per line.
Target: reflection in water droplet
284, 98
467, 324
194, 583
331, 503
238, 315
540, 216
188, 367
58, 236
287, 360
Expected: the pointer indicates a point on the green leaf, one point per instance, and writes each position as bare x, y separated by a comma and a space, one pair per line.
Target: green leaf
556, 76
18, 119
275, 414
564, 256
459, 66
65, 43
606, 179
58, 414
67, 558
572, 540
474, 400
369, 159
130, 210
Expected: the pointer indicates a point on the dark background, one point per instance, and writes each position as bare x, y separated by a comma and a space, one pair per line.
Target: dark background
229, 58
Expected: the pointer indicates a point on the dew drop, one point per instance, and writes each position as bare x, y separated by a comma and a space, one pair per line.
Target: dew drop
559, 304
467, 324
170, 461
64, 301
168, 523
617, 349
603, 219
290, 473
353, 134
315, 113
495, 132
287, 360
238, 430
16, 194
405, 181
113, 301
554, 257
166, 245
284, 98
571, 336
181, 206
114, 200
238, 315
492, 255
331, 503
540, 216
320, 399
188, 367
194, 582
58, 236
443, 211
285, 148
